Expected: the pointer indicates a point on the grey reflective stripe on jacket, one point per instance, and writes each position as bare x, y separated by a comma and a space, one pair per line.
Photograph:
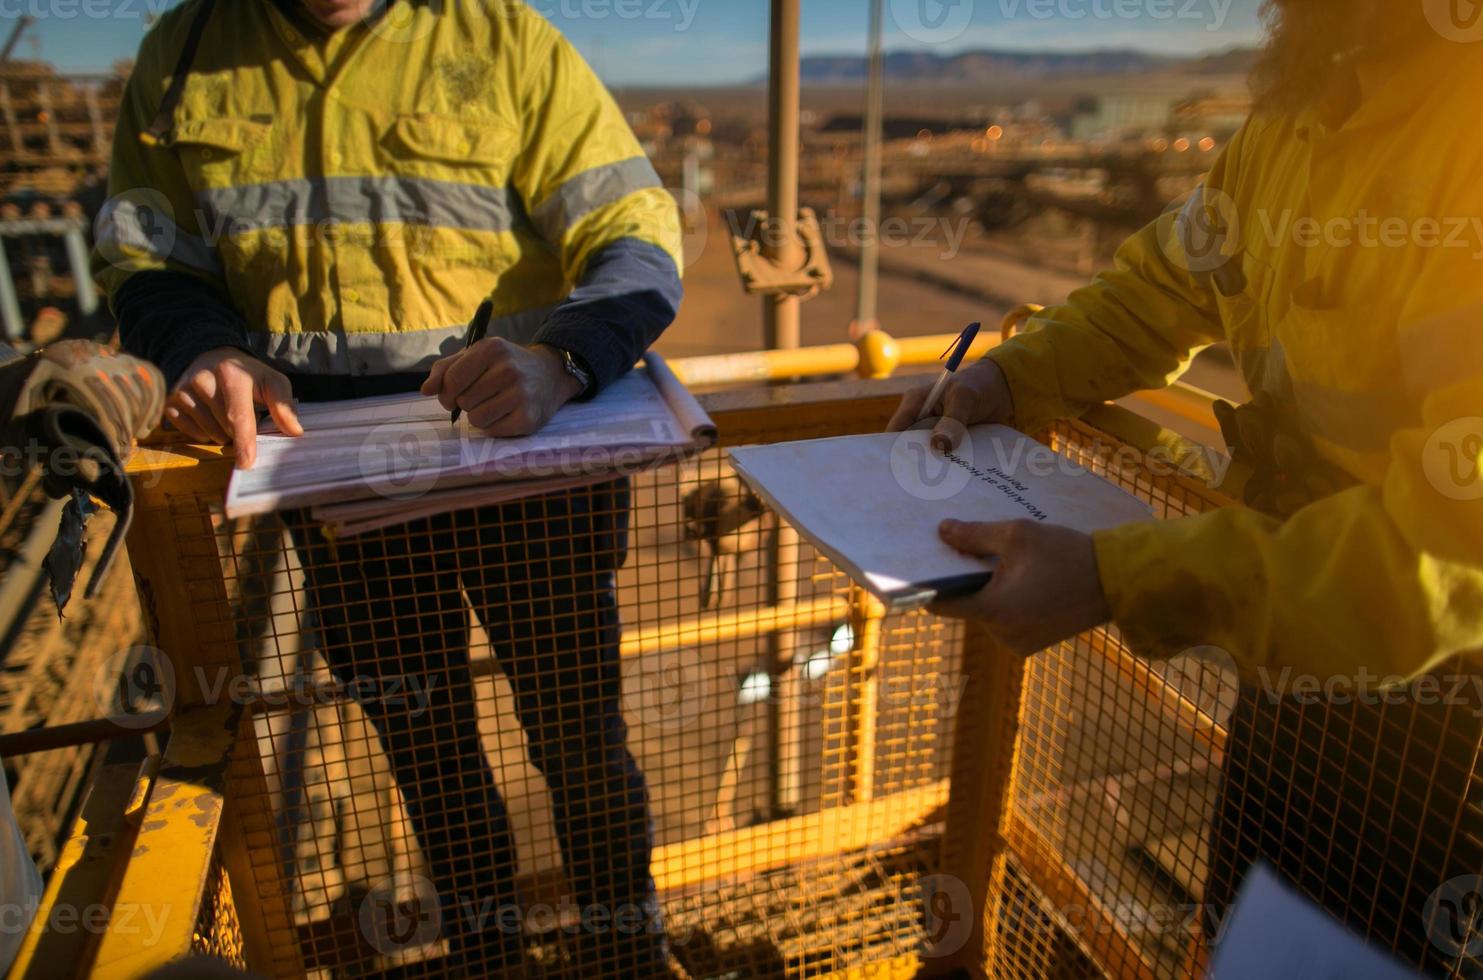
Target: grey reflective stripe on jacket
134, 232
360, 200
591, 190
383, 352
1358, 421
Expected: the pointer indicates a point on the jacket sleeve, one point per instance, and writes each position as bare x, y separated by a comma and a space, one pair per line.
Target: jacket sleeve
163, 277
1384, 580
1134, 328
170, 319
595, 198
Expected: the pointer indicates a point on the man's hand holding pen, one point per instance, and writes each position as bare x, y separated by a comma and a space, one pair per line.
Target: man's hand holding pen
506, 389
976, 395
1046, 586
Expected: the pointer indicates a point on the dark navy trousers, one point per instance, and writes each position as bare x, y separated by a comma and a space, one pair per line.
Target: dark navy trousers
540, 575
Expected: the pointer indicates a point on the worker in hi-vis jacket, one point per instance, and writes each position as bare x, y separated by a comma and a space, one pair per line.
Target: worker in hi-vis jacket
1335, 248
308, 200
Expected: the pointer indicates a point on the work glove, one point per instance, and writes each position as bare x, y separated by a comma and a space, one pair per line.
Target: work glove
123, 395
74, 409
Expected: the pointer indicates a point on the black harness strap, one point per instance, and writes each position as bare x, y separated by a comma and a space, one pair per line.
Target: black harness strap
164, 117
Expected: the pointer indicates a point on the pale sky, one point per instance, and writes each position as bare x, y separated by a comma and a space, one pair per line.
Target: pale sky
718, 42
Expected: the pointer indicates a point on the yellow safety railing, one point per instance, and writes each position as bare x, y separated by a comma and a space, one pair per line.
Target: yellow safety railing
948, 808
879, 355
200, 840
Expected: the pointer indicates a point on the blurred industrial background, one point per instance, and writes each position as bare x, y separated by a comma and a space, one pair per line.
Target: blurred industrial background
1006, 178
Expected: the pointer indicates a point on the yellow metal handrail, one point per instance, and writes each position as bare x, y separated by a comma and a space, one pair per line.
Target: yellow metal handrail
201, 818
879, 355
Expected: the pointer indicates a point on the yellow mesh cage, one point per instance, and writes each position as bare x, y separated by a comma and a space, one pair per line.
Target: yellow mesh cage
218, 934
826, 789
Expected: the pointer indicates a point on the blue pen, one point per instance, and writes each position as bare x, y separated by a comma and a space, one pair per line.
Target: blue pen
959, 351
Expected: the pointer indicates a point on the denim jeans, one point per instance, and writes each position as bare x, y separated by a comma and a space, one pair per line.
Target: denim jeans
540, 575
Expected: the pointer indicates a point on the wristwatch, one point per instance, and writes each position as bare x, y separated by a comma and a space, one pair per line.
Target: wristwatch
575, 368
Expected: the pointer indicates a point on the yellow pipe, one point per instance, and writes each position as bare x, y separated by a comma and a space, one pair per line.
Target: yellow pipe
766, 365
1188, 402
868, 614
721, 627
795, 840
878, 355
916, 351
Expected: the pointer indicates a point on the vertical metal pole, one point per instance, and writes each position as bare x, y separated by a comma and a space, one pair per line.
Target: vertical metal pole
7, 110
780, 313
690, 185
10, 304
866, 317
780, 327
95, 117
53, 134
985, 756
867, 615
77, 257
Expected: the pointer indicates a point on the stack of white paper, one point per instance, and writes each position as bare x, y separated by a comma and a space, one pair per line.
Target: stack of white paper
873, 503
376, 462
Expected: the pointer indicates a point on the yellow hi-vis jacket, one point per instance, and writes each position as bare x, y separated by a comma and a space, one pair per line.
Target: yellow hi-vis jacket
1356, 301
357, 195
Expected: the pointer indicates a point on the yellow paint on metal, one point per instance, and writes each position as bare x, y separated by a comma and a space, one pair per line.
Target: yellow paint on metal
85, 877
169, 867
143, 783
879, 354
905, 967
720, 627
867, 615
780, 843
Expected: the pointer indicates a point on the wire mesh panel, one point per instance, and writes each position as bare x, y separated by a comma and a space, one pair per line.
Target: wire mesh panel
218, 934
642, 728
631, 730
1143, 791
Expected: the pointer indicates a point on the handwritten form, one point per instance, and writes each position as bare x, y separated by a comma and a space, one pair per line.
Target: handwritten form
873, 503
389, 459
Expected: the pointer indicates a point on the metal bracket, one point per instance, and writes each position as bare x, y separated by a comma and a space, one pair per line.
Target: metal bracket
761, 275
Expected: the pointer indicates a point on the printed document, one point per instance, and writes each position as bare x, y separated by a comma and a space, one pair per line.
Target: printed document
386, 460
873, 503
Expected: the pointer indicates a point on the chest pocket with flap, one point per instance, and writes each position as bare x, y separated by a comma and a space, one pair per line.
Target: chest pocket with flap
471, 161
482, 145
223, 152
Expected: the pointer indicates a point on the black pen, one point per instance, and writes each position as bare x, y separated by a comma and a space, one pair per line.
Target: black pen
959, 350
478, 327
